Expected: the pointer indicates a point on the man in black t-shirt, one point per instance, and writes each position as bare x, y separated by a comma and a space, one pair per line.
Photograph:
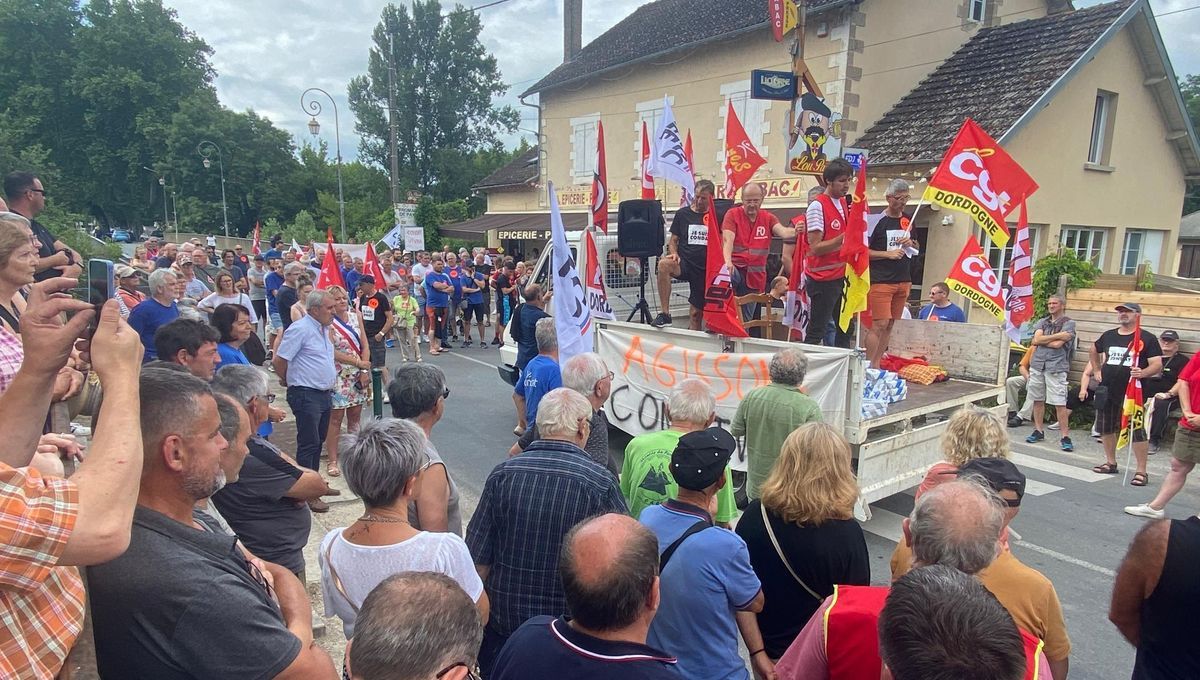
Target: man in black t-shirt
506, 299
1113, 353
27, 197
892, 249
287, 295
686, 258
376, 313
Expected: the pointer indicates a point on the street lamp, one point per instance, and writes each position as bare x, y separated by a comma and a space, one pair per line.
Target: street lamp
313, 108
205, 149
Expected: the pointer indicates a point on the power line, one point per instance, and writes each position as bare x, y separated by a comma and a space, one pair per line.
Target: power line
1176, 11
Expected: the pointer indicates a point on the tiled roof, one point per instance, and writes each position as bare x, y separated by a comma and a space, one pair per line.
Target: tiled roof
994, 78
1189, 227
521, 170
665, 26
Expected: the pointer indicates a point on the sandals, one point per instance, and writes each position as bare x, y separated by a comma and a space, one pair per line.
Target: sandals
1139, 479
1105, 469
333, 470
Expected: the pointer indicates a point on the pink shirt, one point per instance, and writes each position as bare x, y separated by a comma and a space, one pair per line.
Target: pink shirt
12, 355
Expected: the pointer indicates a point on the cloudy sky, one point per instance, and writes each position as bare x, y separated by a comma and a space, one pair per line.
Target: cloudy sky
266, 52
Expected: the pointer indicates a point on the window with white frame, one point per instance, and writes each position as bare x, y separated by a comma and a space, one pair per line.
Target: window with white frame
751, 112
1103, 119
651, 113
1001, 258
583, 146
976, 10
1087, 243
1141, 245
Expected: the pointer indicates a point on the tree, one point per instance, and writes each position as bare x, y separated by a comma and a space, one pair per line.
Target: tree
1190, 87
445, 82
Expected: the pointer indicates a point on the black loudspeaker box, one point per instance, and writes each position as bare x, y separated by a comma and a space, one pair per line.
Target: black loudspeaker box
641, 229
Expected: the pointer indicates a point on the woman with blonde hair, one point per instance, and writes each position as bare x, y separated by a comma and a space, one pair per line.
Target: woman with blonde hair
801, 532
141, 260
971, 433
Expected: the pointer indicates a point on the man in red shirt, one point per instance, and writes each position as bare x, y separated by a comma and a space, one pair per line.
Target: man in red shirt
825, 221
1186, 449
746, 239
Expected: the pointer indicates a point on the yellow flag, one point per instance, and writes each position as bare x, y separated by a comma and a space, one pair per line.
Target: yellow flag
791, 15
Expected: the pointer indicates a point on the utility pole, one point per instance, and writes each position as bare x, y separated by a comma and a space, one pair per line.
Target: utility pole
393, 151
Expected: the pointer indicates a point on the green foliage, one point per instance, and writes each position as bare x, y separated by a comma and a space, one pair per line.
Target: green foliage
1190, 88
445, 83
428, 217
1146, 283
303, 230
1047, 270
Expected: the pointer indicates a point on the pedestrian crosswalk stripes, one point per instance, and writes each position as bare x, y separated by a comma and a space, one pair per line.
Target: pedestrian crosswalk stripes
1025, 461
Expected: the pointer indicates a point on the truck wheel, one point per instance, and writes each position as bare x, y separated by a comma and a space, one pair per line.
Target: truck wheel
739, 489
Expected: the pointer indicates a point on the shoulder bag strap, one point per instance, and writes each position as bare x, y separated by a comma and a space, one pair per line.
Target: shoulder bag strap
778, 551
337, 581
666, 556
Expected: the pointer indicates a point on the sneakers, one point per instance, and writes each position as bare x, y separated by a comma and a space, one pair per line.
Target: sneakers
496, 342
1095, 435
1052, 426
1066, 444
466, 344
1035, 437
425, 338
1154, 447
1015, 420
389, 344
663, 319
1144, 510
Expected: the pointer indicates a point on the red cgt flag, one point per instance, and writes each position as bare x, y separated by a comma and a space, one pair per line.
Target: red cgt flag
979, 178
857, 256
600, 184
742, 160
973, 278
1018, 295
720, 310
371, 266
647, 178
331, 273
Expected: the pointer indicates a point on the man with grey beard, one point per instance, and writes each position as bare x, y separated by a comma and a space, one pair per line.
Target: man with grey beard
184, 601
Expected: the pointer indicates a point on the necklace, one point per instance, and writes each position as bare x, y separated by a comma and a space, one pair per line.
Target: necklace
371, 517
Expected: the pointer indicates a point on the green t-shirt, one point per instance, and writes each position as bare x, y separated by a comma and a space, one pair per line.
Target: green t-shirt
646, 475
765, 418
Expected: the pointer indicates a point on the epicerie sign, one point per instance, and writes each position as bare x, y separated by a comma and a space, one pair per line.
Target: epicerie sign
523, 234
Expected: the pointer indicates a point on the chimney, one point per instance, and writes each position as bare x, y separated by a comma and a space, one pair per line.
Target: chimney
572, 28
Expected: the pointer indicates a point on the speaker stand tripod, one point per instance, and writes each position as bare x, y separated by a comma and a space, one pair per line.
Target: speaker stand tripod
641, 305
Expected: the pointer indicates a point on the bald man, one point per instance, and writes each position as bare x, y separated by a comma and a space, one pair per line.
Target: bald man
609, 568
746, 235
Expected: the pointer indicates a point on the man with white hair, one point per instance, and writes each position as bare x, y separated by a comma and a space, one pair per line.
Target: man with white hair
528, 505
156, 311
646, 476
588, 375
770, 413
304, 363
892, 249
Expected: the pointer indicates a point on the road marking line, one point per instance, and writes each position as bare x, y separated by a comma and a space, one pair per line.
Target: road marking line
467, 358
1036, 488
1055, 468
1067, 558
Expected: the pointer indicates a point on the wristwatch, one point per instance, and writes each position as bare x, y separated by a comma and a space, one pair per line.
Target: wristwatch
69, 254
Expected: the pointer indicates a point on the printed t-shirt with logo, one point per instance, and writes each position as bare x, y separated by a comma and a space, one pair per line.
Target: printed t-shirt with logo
537, 379
456, 279
689, 228
646, 477
476, 298
374, 312
1116, 359
889, 231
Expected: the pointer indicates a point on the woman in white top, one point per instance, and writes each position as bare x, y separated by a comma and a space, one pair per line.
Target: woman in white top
381, 463
226, 295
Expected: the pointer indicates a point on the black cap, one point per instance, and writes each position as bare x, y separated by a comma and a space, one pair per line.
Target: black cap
1131, 306
999, 473
367, 278
1169, 335
259, 258
700, 458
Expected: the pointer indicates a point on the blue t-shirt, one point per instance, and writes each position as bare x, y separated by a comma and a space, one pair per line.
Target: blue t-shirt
433, 296
272, 281
231, 355
477, 297
351, 276
147, 318
456, 279
950, 312
536, 380
708, 579
273, 254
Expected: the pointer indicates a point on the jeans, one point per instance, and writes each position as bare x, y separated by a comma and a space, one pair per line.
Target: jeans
311, 408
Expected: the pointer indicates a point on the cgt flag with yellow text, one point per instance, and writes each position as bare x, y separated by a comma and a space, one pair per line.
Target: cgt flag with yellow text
979, 178
1133, 413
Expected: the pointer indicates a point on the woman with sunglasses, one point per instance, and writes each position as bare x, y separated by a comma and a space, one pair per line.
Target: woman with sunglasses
383, 463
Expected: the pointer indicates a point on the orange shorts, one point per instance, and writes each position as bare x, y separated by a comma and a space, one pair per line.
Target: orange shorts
886, 300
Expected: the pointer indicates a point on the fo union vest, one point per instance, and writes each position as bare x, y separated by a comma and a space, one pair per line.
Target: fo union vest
751, 244
852, 635
830, 266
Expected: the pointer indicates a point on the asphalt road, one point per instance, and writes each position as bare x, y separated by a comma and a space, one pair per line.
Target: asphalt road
1071, 526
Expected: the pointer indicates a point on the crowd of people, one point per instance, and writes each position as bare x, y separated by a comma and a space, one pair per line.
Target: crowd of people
191, 521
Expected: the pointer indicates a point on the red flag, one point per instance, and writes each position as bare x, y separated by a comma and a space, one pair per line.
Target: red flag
647, 178
1018, 295
256, 247
973, 278
742, 160
684, 199
979, 178
600, 184
720, 309
594, 283
857, 256
796, 310
331, 273
1133, 412
371, 266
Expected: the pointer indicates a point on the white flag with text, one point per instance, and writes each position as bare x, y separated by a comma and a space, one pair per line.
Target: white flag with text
670, 161
572, 316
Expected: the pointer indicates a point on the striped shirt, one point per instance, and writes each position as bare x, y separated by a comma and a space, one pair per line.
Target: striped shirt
12, 355
41, 604
528, 504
